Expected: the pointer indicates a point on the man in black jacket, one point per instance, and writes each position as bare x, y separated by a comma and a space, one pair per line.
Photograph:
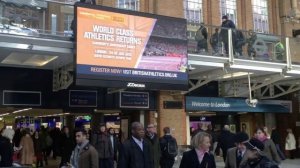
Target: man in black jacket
167, 158
135, 152
226, 25
226, 140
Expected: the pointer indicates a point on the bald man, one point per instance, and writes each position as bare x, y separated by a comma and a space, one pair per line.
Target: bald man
135, 152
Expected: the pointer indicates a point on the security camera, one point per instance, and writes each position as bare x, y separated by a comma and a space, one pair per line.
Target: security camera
251, 102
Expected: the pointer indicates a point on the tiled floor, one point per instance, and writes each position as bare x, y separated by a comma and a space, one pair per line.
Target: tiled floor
288, 163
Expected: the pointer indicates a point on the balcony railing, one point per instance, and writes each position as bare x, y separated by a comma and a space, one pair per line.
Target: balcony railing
240, 44
37, 18
53, 18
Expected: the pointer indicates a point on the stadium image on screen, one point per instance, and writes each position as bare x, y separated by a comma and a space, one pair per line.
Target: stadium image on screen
119, 48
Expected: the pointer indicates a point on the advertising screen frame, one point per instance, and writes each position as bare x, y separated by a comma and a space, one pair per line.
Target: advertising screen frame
130, 82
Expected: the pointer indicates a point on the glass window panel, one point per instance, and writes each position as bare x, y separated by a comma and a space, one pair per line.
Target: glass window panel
260, 16
228, 7
193, 10
129, 4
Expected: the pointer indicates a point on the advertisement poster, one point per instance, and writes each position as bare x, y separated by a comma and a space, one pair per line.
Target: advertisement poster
130, 47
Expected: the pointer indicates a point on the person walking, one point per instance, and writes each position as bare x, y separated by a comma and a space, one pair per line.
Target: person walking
201, 38
275, 136
153, 140
84, 155
114, 142
226, 25
46, 142
226, 140
256, 157
104, 148
6, 147
238, 154
169, 149
67, 145
27, 148
215, 41
290, 143
199, 156
135, 151
269, 146
38, 152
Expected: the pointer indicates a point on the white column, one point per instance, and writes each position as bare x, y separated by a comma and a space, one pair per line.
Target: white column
188, 136
142, 117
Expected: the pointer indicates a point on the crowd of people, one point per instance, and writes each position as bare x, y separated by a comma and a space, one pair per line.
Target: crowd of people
98, 149
239, 39
238, 150
143, 149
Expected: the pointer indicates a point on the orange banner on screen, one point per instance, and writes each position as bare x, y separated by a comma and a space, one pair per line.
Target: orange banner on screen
111, 39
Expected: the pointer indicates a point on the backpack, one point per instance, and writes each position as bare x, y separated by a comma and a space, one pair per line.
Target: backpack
215, 38
170, 150
199, 35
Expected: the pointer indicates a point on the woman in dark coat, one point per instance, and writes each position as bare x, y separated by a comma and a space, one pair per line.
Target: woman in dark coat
67, 145
6, 148
38, 152
199, 157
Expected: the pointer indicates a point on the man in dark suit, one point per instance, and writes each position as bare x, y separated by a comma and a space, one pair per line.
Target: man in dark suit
226, 140
135, 152
238, 154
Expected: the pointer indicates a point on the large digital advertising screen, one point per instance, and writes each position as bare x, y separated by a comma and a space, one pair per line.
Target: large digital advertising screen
128, 49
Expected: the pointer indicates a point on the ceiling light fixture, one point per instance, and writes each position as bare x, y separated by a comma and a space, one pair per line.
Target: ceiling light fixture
18, 111
5, 114
234, 75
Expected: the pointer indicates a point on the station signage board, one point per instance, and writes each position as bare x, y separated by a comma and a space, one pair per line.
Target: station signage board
134, 100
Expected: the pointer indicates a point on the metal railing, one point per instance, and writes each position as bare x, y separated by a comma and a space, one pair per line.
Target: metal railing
240, 43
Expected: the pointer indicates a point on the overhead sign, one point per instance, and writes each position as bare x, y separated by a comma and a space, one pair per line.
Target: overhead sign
22, 98
82, 98
134, 99
116, 46
236, 105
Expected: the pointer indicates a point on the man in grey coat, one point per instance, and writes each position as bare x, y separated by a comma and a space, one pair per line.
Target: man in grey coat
238, 154
84, 155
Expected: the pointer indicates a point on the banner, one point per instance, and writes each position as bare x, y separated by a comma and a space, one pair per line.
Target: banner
128, 46
236, 105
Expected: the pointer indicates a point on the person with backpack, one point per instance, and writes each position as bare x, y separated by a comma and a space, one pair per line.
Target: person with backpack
169, 149
215, 42
239, 42
201, 38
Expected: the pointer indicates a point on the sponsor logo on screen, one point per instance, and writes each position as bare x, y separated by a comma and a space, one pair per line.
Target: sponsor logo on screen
135, 85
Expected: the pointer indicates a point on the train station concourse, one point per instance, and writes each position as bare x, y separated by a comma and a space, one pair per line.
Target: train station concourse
65, 63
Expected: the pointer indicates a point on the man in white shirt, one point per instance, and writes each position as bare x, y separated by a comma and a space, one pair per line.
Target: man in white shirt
135, 152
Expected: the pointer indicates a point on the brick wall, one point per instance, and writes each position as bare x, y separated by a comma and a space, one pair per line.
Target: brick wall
173, 118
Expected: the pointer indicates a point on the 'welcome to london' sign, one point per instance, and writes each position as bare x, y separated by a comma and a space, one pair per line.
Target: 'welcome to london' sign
236, 105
